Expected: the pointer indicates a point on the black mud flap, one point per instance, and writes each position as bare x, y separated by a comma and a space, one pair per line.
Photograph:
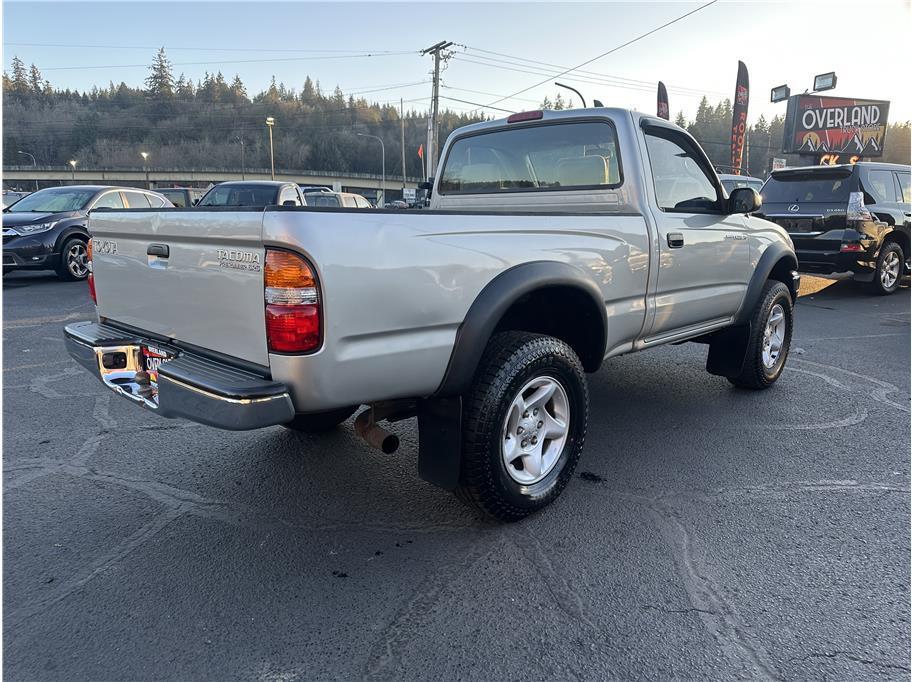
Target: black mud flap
728, 350
440, 441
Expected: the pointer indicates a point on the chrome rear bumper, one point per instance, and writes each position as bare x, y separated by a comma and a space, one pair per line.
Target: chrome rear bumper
188, 386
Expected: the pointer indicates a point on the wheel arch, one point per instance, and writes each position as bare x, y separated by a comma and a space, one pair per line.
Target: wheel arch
67, 231
546, 297
777, 262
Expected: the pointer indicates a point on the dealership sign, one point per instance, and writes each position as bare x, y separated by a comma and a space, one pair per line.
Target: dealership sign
824, 125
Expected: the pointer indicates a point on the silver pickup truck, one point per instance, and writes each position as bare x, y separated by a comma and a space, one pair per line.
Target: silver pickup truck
553, 241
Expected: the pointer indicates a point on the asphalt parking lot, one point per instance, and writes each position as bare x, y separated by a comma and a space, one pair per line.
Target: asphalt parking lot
711, 532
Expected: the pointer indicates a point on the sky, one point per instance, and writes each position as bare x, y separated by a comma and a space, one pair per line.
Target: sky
372, 48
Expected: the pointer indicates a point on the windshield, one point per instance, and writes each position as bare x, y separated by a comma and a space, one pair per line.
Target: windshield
240, 195
730, 185
54, 200
798, 189
321, 199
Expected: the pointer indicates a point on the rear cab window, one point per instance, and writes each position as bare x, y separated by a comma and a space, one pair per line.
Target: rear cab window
539, 157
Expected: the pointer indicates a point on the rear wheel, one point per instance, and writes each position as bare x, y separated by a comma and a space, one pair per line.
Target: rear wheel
74, 260
770, 338
524, 425
888, 272
318, 422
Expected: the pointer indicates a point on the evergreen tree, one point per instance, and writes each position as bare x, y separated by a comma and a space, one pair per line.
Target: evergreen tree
20, 83
160, 83
36, 82
238, 91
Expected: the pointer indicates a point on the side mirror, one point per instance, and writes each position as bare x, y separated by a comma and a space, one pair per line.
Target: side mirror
744, 200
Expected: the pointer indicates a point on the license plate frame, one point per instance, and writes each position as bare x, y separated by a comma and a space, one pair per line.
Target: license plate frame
153, 357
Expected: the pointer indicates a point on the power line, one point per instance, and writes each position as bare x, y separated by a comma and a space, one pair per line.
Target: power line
483, 106
197, 49
595, 74
233, 61
611, 51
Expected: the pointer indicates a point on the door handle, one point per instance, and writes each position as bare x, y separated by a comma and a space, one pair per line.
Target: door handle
675, 240
160, 250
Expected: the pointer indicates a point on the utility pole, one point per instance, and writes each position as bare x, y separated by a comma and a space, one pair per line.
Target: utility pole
402, 138
433, 130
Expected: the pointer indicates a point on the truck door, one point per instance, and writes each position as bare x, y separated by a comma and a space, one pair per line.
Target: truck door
704, 253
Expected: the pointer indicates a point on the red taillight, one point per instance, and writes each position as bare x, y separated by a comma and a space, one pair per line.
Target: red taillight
851, 248
525, 116
91, 277
292, 303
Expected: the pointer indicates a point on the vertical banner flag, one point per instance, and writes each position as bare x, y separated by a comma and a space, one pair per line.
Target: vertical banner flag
662, 105
739, 119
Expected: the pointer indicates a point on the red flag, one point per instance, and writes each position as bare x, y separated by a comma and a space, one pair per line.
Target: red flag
421, 151
739, 119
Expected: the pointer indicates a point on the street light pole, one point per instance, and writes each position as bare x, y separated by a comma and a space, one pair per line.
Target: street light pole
145, 156
73, 163
582, 99
243, 161
382, 165
270, 121
34, 165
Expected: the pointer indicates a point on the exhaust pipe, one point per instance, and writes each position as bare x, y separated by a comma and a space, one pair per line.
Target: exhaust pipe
374, 435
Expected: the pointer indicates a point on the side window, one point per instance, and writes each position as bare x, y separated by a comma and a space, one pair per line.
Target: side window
289, 194
348, 201
681, 182
155, 201
109, 200
904, 187
136, 200
879, 184
362, 202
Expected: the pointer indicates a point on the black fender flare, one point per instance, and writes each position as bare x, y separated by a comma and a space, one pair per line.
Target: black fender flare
772, 258
74, 230
492, 303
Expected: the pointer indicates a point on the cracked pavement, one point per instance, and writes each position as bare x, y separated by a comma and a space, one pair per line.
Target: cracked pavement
711, 533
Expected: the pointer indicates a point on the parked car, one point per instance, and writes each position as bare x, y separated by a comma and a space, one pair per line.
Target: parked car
336, 200
847, 218
46, 230
181, 197
10, 197
397, 204
732, 182
253, 194
553, 242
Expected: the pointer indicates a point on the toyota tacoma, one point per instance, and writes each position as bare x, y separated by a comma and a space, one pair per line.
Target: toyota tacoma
553, 241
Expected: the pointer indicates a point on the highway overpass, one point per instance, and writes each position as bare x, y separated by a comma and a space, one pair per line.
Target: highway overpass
364, 183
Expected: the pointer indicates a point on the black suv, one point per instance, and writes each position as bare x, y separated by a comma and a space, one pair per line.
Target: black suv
849, 218
46, 230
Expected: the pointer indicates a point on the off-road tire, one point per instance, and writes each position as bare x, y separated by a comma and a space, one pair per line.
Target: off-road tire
63, 270
318, 422
876, 285
510, 360
754, 373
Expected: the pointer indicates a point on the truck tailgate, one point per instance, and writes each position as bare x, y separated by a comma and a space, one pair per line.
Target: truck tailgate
191, 275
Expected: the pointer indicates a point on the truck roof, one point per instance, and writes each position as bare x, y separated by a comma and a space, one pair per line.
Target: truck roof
568, 114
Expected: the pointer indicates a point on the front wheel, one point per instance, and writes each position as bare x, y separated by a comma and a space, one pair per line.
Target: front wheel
888, 273
524, 425
770, 338
74, 260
